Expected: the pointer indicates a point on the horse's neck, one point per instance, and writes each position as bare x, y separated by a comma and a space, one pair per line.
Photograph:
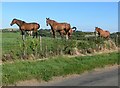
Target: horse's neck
100, 30
19, 23
51, 26
53, 23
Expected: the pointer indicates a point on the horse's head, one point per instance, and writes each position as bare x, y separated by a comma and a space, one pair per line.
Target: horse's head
47, 21
18, 22
96, 29
13, 22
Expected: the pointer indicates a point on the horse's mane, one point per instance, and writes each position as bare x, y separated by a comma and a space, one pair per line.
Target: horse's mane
102, 30
20, 20
99, 29
53, 21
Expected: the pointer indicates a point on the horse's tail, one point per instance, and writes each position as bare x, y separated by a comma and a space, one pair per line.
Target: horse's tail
38, 25
74, 28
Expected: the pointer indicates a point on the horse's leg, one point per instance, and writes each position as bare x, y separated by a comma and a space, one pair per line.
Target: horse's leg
33, 34
53, 33
36, 34
22, 32
22, 35
61, 34
67, 35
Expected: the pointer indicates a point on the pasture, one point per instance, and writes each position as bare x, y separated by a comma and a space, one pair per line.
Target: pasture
14, 48
28, 58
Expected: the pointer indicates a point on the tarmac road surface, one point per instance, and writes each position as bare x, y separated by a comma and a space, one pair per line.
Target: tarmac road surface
104, 77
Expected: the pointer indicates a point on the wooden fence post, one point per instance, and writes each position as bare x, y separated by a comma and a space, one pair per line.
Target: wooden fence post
117, 40
24, 48
40, 43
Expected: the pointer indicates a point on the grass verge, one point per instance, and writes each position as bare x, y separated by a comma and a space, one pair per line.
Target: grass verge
59, 66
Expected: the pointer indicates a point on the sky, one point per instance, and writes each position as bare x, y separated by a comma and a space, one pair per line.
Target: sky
84, 15
59, 0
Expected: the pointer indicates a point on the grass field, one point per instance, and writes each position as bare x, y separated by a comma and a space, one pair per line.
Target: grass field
57, 66
14, 48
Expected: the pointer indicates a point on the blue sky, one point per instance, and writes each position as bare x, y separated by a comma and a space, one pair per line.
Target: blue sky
84, 15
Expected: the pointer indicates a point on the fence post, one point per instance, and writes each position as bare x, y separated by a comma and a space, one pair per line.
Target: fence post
40, 43
24, 47
46, 51
117, 40
36, 50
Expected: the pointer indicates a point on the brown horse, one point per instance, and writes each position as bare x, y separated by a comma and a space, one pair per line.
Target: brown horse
57, 27
23, 26
70, 32
102, 33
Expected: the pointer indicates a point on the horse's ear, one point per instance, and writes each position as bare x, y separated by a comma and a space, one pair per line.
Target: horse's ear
46, 18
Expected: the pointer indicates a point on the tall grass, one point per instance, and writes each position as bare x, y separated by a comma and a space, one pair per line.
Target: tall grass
14, 48
57, 66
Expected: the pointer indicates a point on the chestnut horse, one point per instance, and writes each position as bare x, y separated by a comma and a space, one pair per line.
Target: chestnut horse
102, 33
57, 27
24, 27
70, 32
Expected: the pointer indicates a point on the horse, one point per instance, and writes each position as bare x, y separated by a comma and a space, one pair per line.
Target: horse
57, 27
70, 32
102, 33
23, 26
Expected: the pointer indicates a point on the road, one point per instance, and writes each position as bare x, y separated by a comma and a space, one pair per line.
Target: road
106, 77
99, 77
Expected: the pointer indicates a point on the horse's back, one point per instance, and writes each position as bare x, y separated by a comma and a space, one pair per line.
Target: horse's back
106, 34
30, 26
66, 25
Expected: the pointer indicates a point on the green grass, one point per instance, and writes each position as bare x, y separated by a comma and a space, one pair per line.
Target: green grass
57, 66
10, 41
12, 46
